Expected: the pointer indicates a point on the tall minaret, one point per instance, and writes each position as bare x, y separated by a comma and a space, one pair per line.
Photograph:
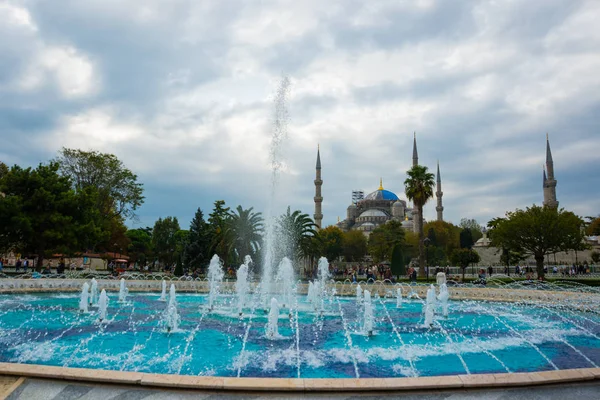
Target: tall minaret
318, 198
549, 181
439, 194
415, 154
415, 211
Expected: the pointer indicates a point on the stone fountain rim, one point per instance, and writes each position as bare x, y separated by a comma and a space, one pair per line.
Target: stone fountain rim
453, 382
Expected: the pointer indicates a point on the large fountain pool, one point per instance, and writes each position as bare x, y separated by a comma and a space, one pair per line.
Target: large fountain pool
476, 337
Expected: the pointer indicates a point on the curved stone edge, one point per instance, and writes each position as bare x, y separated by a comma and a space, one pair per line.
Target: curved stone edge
300, 385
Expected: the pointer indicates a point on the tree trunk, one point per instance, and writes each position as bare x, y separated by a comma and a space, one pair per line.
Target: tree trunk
421, 245
539, 263
40, 261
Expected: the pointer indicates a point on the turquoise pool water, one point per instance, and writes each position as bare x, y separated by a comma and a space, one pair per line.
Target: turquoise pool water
477, 337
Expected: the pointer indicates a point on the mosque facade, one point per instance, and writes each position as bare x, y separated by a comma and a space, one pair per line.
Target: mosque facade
367, 213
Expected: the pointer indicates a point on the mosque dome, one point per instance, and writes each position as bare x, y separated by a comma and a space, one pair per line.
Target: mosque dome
381, 194
373, 212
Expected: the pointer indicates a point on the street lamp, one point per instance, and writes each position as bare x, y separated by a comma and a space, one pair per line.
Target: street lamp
426, 242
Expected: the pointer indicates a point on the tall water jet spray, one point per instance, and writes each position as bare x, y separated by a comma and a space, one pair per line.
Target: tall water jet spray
279, 134
215, 278
83, 298
123, 292
163, 293
241, 285
368, 315
171, 317
398, 297
272, 328
429, 306
443, 298
94, 292
285, 278
359, 297
102, 305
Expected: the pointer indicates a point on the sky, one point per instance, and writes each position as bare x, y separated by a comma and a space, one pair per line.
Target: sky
183, 93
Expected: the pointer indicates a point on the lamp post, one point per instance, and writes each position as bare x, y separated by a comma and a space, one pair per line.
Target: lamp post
426, 242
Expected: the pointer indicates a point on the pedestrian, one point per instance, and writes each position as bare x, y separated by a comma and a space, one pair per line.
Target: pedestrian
18, 265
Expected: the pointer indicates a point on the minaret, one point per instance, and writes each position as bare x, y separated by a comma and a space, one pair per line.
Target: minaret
415, 154
415, 211
318, 198
549, 181
439, 194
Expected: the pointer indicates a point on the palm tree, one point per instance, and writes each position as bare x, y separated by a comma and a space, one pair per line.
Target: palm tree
419, 189
246, 229
299, 229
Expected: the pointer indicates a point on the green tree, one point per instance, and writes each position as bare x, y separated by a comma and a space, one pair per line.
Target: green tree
384, 238
40, 214
3, 169
140, 245
446, 235
537, 231
595, 257
165, 240
197, 253
354, 245
463, 257
222, 239
593, 226
246, 227
298, 229
419, 189
473, 226
119, 191
466, 239
331, 239
398, 266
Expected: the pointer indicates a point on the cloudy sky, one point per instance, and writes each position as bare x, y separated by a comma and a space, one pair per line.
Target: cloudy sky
183, 92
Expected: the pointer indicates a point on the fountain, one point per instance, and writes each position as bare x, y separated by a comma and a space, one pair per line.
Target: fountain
368, 315
215, 277
272, 328
241, 285
398, 298
443, 299
83, 298
94, 292
359, 298
171, 317
102, 305
440, 278
285, 278
123, 292
163, 293
429, 307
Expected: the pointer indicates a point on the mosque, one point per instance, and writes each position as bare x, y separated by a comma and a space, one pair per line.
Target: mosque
368, 212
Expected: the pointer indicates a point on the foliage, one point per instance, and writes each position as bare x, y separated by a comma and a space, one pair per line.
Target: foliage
164, 239
473, 226
220, 234
178, 268
246, 230
510, 257
463, 257
595, 257
3, 169
384, 238
140, 245
593, 227
537, 231
298, 231
119, 191
197, 253
331, 240
354, 245
398, 266
466, 239
446, 235
419, 189
40, 214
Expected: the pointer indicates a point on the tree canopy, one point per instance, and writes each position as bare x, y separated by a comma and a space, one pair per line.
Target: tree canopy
119, 191
384, 238
197, 253
164, 239
537, 231
354, 245
40, 214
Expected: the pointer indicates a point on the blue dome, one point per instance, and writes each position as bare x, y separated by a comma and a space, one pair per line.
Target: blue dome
382, 194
